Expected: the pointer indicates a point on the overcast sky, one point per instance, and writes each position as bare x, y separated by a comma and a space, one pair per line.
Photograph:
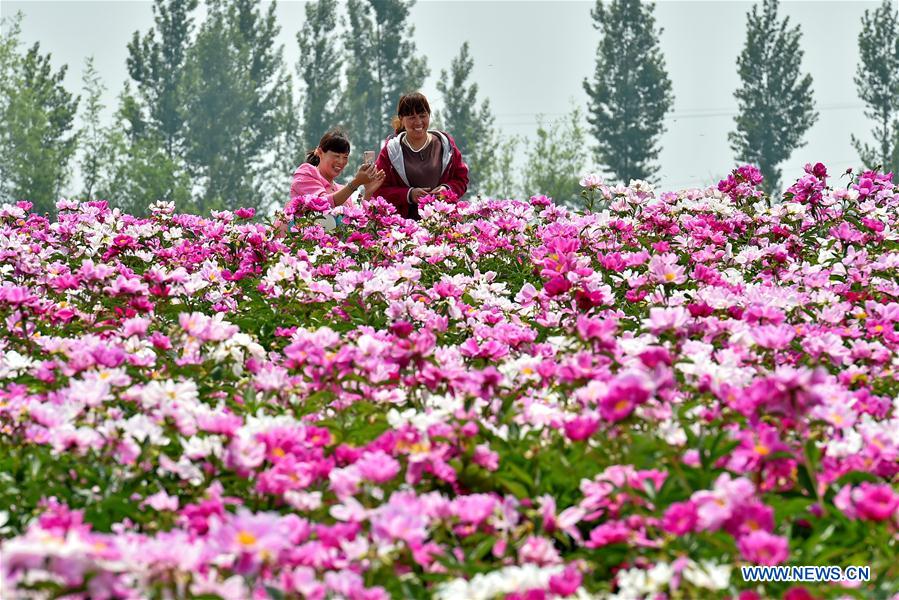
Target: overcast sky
531, 58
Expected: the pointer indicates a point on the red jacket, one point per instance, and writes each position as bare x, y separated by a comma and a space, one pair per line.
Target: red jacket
395, 188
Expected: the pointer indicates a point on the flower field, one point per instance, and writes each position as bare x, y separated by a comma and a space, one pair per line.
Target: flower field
505, 399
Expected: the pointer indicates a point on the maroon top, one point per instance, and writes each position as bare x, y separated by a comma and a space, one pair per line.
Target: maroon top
395, 188
423, 168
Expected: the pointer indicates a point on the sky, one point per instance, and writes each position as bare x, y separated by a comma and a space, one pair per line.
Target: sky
531, 58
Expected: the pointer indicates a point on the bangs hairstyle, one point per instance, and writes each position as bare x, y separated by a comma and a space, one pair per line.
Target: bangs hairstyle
333, 141
410, 104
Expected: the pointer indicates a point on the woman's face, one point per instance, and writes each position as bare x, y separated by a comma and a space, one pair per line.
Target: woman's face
416, 125
331, 163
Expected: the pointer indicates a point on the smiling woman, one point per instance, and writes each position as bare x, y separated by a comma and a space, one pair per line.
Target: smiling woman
419, 161
324, 164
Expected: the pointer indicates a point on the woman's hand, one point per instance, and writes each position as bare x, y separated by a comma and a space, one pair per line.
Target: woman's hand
417, 193
377, 178
364, 176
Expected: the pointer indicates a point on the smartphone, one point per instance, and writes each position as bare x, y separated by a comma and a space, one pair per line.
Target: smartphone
368, 157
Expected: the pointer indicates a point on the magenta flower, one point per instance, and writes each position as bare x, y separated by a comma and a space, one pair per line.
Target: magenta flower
876, 502
581, 427
557, 286
680, 518
567, 582
612, 532
624, 395
485, 457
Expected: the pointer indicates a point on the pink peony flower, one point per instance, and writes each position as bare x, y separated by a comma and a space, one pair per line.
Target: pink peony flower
624, 395
567, 582
474, 508
876, 502
612, 532
539, 550
581, 427
763, 548
377, 467
664, 269
680, 518
485, 457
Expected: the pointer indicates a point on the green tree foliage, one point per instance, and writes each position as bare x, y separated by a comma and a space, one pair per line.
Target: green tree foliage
556, 160
237, 94
775, 99
10, 30
502, 181
94, 138
319, 69
381, 65
630, 92
470, 125
156, 63
137, 172
150, 163
877, 81
37, 135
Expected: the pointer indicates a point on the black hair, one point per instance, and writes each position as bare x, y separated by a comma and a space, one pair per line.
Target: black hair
333, 141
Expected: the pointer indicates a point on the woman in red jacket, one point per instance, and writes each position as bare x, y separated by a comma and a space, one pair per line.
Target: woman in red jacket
417, 160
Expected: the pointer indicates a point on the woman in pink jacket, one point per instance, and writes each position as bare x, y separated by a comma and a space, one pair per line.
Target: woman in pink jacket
417, 160
325, 164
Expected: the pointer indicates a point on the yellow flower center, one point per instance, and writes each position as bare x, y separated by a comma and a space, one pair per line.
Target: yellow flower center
621, 405
245, 538
762, 449
669, 276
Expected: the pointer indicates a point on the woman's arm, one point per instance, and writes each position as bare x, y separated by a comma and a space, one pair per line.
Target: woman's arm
343, 194
307, 181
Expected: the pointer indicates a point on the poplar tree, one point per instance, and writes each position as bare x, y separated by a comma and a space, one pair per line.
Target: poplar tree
319, 69
154, 114
156, 63
775, 102
382, 63
470, 125
556, 160
10, 30
138, 172
630, 93
94, 137
237, 93
877, 82
37, 134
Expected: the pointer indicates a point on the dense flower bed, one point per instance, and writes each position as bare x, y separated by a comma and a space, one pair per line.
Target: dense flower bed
505, 399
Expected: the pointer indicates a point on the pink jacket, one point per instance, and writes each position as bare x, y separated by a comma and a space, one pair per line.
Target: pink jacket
307, 179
